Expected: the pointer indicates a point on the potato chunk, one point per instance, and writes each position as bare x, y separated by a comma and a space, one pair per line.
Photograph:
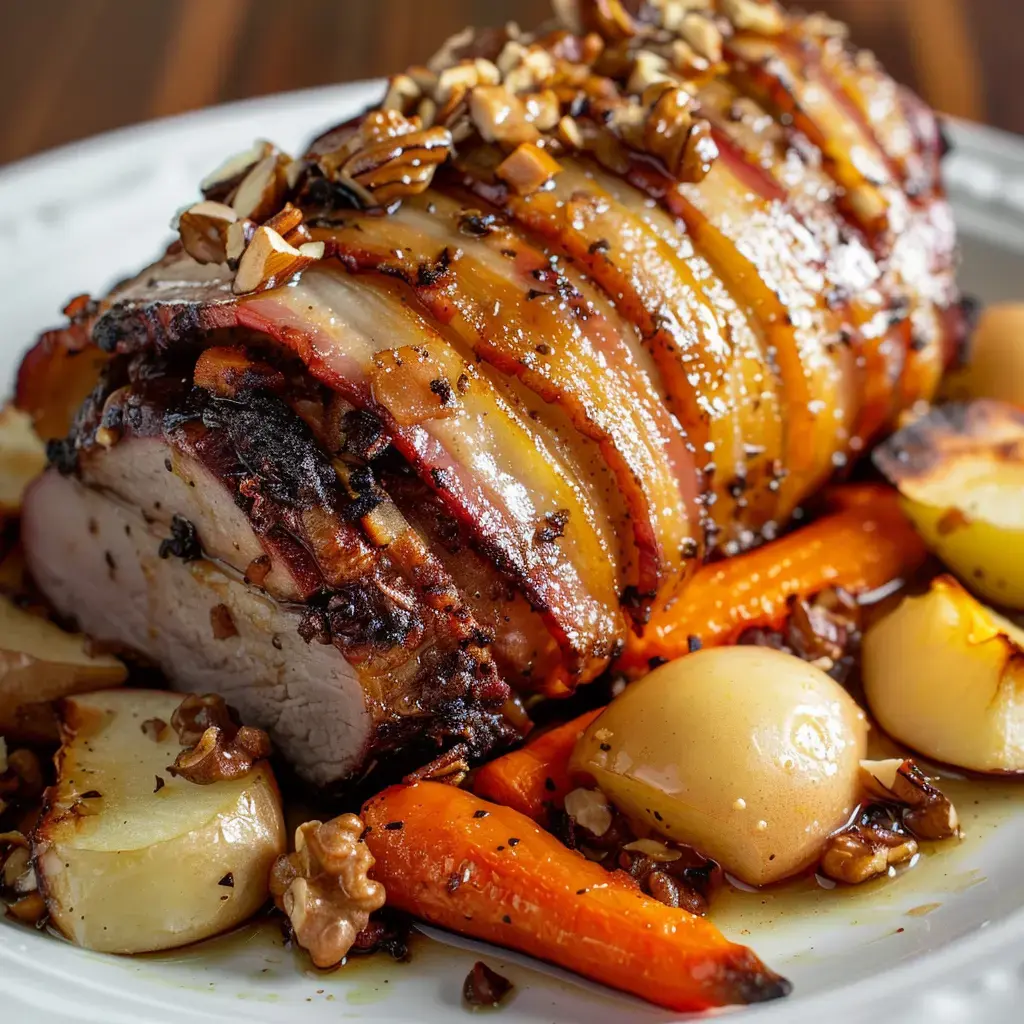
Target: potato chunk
960, 473
945, 675
40, 662
22, 458
131, 859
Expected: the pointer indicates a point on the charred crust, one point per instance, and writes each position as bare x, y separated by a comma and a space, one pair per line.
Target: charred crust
430, 274
183, 542
364, 435
476, 224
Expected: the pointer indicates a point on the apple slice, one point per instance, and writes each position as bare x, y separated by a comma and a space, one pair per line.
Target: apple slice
960, 472
40, 662
131, 859
945, 675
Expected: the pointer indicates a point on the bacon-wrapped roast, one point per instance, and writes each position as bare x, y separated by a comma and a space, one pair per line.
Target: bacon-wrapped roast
440, 411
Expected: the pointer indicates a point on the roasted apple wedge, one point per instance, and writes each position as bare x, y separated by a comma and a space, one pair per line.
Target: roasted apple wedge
960, 472
945, 675
131, 858
39, 662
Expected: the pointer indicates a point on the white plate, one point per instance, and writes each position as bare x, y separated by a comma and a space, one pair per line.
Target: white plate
943, 942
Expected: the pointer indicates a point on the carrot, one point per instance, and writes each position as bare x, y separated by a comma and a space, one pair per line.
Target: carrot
487, 871
864, 543
536, 776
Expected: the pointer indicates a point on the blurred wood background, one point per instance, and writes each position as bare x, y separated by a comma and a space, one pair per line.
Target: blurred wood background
71, 68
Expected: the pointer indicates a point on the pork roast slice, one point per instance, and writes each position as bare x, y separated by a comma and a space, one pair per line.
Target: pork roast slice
98, 561
238, 493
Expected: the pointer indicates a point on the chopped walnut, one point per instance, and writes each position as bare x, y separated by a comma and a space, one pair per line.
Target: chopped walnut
222, 182
203, 230
866, 849
386, 157
764, 18
221, 749
216, 758
927, 812
451, 768
197, 712
269, 261
527, 169
325, 889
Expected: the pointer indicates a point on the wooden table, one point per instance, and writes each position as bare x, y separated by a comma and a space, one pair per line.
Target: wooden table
71, 68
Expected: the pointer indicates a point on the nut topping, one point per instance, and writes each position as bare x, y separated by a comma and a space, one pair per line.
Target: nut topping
927, 812
387, 156
702, 35
269, 261
863, 851
325, 889
222, 182
197, 713
263, 189
215, 758
221, 748
527, 169
764, 18
203, 229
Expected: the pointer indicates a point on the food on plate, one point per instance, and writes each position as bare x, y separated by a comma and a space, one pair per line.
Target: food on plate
994, 366
944, 674
22, 457
960, 471
489, 872
865, 544
530, 383
40, 662
748, 754
325, 889
512, 406
130, 856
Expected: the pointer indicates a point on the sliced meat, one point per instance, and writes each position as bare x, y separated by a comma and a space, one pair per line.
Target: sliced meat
241, 486
98, 561
484, 461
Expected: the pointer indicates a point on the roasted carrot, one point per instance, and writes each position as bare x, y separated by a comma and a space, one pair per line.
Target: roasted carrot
864, 543
487, 871
536, 776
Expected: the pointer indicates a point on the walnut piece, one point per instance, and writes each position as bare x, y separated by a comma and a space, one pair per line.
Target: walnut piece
220, 183
527, 168
215, 758
866, 849
221, 748
387, 156
269, 261
325, 889
197, 712
927, 812
203, 230
754, 16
